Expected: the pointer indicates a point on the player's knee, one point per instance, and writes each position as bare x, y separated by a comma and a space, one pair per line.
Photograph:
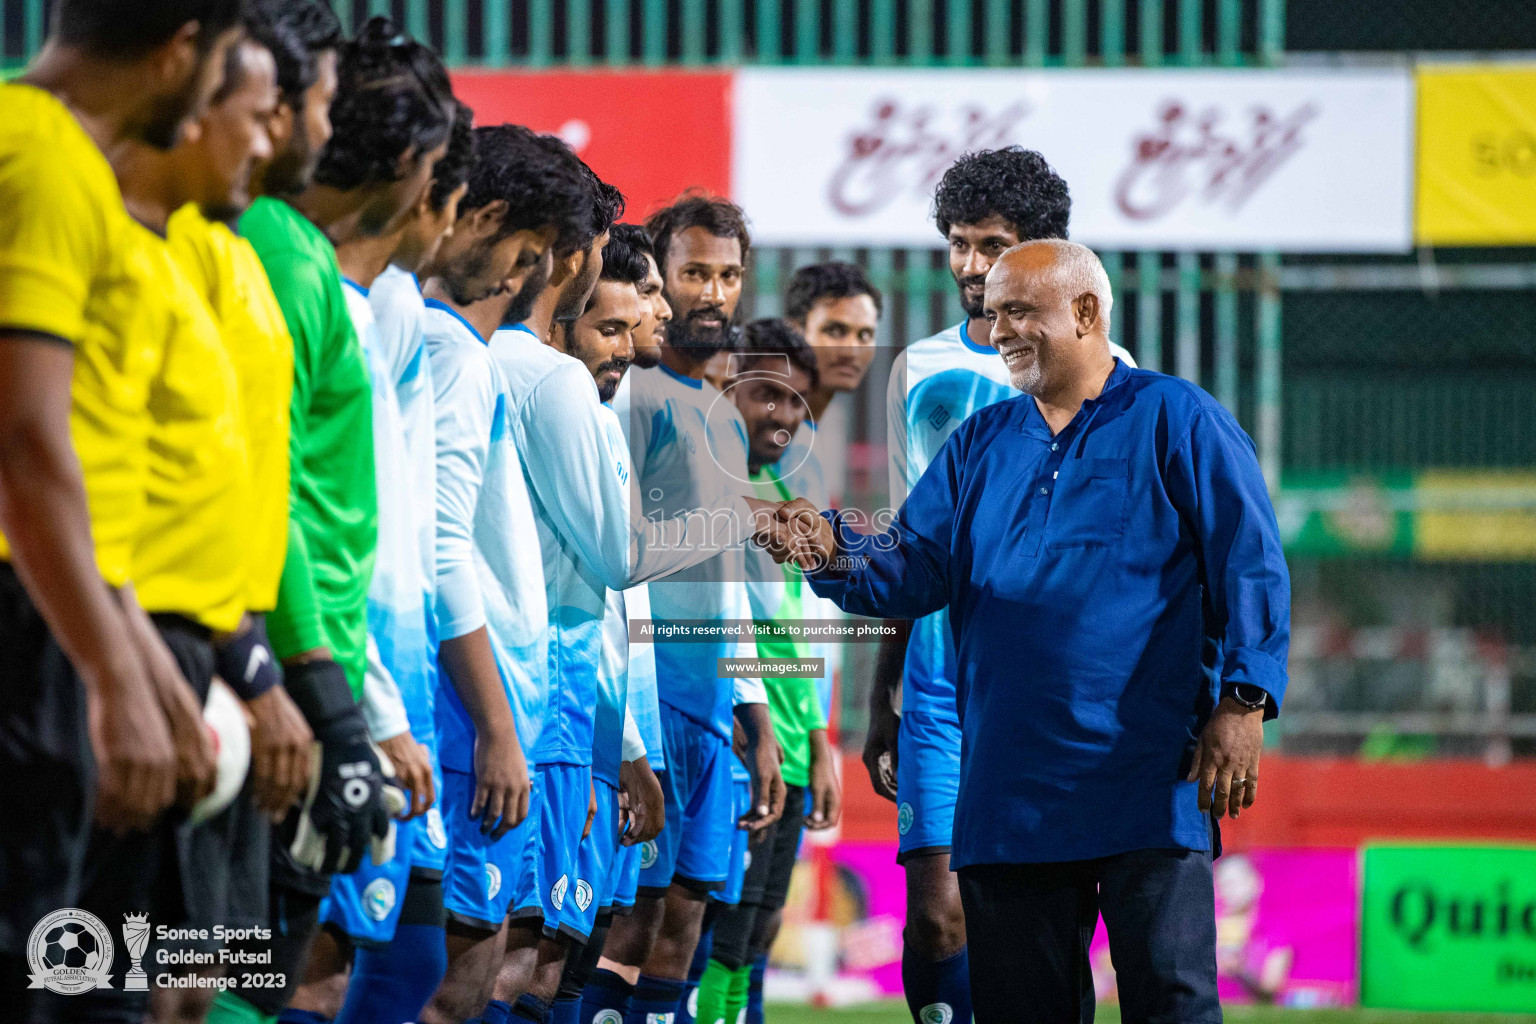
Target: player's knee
672, 953
459, 997
630, 939
936, 926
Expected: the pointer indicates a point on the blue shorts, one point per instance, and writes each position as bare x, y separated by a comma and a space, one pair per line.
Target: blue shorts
741, 854
596, 860
927, 780
431, 849
549, 886
694, 846
626, 872
479, 876
365, 905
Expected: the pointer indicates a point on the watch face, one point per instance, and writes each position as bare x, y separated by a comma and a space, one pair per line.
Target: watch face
1252, 696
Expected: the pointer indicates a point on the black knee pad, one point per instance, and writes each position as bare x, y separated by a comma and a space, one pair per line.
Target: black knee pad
733, 934
423, 903
580, 964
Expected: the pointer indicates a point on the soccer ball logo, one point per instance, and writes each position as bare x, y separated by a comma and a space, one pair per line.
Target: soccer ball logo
70, 951
72, 945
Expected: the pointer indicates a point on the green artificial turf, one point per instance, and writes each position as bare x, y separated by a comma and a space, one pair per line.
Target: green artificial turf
896, 1013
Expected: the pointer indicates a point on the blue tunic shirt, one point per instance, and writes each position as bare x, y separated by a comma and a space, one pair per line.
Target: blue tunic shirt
1103, 584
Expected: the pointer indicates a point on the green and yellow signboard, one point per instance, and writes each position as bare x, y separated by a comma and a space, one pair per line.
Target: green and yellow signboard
1449, 928
1430, 515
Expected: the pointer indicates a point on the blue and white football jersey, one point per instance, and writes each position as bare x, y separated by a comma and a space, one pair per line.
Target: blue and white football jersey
577, 466
688, 445
397, 654
490, 570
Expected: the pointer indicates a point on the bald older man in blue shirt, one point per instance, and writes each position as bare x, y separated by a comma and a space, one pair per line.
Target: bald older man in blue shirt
1121, 612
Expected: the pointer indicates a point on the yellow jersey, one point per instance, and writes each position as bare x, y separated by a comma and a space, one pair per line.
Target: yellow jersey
190, 554
65, 266
226, 271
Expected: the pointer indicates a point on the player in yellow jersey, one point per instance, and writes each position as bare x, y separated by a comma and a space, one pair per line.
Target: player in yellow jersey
82, 713
188, 567
214, 172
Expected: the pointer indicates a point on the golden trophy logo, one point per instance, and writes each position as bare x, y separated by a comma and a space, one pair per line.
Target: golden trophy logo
135, 938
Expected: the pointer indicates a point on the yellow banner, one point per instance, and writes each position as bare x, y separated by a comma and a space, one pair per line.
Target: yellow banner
1477, 155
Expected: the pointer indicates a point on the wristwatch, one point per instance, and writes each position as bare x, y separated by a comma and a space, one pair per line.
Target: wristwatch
1249, 696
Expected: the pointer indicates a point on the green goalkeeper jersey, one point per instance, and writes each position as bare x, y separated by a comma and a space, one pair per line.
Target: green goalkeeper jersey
778, 596
333, 507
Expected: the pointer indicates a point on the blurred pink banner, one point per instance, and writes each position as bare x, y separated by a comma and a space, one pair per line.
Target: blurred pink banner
1287, 927
1287, 924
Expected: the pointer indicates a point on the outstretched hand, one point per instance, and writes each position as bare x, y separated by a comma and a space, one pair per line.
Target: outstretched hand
794, 531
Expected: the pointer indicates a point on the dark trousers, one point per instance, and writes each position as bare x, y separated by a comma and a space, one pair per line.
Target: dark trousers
1029, 926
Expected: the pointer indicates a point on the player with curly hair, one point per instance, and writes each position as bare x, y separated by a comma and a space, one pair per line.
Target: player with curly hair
985, 203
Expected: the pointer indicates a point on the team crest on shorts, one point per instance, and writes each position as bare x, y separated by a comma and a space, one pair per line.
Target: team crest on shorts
492, 881
583, 895
936, 1013
436, 835
608, 1017
69, 952
379, 898
557, 891
904, 818
648, 854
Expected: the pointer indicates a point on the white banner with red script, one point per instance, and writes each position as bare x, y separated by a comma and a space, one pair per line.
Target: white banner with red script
1295, 160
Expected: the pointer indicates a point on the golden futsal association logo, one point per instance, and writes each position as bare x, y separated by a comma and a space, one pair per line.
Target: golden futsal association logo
70, 951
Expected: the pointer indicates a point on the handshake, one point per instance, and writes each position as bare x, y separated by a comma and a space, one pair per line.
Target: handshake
793, 531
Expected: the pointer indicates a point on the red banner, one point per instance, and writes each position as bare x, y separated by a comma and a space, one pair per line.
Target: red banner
653, 134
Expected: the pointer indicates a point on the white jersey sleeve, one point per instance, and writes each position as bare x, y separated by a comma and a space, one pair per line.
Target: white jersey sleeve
579, 464
749, 690
382, 706
634, 743
464, 382
397, 307
640, 666
896, 430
